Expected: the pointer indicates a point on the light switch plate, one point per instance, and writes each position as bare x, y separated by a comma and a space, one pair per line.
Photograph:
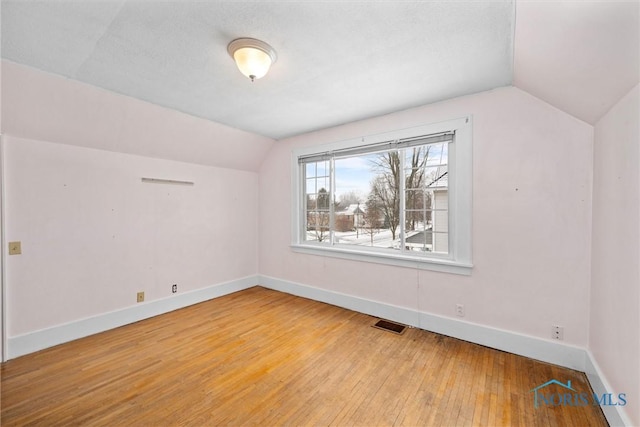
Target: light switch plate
15, 248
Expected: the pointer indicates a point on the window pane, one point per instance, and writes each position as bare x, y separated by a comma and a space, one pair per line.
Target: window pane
323, 184
322, 168
440, 220
323, 199
426, 199
423, 242
310, 170
441, 242
311, 202
415, 200
317, 220
437, 154
310, 186
366, 210
414, 162
414, 221
436, 177
317, 202
317, 226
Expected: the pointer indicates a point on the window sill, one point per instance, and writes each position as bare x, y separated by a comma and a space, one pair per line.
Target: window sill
422, 263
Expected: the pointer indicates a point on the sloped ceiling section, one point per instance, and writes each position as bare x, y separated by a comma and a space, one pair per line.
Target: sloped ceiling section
579, 56
337, 61
46, 107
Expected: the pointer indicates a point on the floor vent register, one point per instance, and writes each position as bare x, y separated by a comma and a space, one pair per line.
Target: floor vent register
388, 326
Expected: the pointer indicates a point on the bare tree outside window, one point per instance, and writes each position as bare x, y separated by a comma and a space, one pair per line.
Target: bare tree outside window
386, 189
372, 217
318, 216
386, 186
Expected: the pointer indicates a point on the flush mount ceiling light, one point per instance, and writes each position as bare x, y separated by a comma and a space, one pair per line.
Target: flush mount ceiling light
253, 57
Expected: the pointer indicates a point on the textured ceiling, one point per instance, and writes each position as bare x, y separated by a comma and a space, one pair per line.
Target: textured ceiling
338, 61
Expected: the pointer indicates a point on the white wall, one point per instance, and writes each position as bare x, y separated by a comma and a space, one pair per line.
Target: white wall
2, 245
615, 291
92, 233
2, 241
531, 220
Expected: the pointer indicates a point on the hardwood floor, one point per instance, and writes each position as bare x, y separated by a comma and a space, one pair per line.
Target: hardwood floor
260, 357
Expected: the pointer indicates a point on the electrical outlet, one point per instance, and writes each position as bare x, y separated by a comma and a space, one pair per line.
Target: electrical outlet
174, 288
460, 310
140, 296
557, 332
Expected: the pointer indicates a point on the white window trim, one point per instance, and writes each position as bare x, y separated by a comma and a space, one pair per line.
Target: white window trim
459, 260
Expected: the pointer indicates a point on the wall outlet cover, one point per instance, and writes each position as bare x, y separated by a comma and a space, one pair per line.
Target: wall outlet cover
557, 332
15, 248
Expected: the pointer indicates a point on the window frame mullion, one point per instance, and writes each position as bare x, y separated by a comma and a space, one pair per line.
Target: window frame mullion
402, 207
332, 189
305, 211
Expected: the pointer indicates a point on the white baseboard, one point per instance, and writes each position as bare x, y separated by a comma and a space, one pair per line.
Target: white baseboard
45, 338
548, 351
616, 415
512, 342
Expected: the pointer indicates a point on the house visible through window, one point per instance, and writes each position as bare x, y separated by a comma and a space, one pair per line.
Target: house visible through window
388, 197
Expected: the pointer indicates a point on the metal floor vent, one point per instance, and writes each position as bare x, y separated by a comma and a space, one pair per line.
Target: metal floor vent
388, 326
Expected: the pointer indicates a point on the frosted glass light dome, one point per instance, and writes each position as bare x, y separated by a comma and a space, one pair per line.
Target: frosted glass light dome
253, 57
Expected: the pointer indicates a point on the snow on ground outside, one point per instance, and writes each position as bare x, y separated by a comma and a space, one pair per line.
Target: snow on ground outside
381, 238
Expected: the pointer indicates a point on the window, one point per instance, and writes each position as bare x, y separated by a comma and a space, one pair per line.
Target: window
402, 198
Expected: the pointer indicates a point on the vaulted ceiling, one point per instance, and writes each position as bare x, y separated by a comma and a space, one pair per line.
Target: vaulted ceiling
338, 61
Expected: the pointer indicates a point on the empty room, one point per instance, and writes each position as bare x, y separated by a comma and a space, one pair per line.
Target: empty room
345, 213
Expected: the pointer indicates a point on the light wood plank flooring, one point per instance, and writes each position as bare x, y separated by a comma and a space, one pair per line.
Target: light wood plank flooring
260, 357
